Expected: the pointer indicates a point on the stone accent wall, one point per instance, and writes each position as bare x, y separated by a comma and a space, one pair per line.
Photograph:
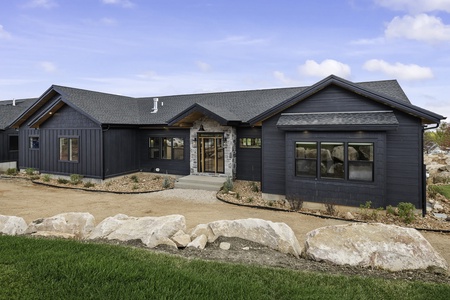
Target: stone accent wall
229, 134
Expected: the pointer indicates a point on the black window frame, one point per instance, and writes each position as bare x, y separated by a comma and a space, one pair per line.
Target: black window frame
250, 142
33, 142
16, 143
158, 148
69, 149
346, 163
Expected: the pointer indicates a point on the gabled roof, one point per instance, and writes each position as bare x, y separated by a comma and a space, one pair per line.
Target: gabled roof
250, 107
389, 95
9, 112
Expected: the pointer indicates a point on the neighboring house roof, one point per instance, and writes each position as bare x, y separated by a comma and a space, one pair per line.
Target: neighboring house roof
9, 112
249, 107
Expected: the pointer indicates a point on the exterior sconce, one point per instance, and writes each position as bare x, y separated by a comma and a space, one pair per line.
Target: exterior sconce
201, 128
194, 139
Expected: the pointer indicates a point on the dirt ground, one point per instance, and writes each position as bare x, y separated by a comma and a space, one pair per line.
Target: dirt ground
24, 199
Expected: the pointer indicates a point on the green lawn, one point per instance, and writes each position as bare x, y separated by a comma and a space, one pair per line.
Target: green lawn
58, 269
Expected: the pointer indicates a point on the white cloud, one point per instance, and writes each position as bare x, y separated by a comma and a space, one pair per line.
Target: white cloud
416, 6
325, 68
399, 70
241, 40
204, 67
284, 79
124, 3
48, 66
368, 42
41, 4
421, 28
3, 33
108, 21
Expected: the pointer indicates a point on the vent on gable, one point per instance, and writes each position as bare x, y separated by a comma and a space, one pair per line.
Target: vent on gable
155, 106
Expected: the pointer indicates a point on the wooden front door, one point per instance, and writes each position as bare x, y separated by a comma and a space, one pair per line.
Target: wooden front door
210, 153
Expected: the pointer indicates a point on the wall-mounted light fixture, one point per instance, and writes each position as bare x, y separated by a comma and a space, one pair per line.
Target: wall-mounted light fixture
194, 139
201, 128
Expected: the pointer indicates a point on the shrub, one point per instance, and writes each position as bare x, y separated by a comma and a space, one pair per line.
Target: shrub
228, 185
254, 187
135, 187
46, 178
250, 200
75, 179
295, 202
29, 171
406, 212
89, 184
238, 196
166, 183
35, 177
62, 181
367, 212
134, 179
390, 210
11, 171
330, 209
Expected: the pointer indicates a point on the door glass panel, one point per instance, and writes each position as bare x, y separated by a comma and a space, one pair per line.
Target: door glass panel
210, 153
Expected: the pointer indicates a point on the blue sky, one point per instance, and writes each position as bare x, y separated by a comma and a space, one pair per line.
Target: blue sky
166, 47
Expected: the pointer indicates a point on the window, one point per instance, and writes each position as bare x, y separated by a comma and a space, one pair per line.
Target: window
360, 161
34, 142
250, 142
334, 158
68, 149
13, 143
166, 148
306, 159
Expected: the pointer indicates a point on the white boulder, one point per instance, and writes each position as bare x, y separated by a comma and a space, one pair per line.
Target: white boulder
11, 225
77, 223
199, 242
151, 231
181, 239
277, 236
377, 245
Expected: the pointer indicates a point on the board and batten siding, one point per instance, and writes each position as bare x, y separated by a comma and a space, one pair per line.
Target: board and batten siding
398, 169
248, 160
170, 166
120, 151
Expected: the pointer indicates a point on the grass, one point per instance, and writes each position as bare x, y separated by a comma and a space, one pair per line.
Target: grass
443, 190
59, 269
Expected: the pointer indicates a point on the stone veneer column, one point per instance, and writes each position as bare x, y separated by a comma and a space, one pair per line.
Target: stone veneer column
229, 134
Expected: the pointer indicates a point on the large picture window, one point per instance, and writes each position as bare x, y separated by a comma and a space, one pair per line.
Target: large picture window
306, 159
360, 161
337, 160
68, 149
166, 148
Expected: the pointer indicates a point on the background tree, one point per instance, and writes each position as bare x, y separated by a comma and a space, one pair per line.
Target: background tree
439, 137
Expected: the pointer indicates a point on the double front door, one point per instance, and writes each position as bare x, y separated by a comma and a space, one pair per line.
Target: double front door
210, 153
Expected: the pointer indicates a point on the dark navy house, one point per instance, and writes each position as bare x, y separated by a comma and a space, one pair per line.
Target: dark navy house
334, 142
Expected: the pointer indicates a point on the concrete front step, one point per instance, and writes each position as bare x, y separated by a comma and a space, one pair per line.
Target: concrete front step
200, 182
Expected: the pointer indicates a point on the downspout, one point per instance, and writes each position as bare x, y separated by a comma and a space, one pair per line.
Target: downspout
103, 151
424, 172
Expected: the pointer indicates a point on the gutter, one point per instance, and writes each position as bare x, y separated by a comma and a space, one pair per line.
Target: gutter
424, 171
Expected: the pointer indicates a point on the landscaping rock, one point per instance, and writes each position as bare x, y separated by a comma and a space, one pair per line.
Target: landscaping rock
54, 234
349, 216
199, 242
11, 225
372, 245
76, 223
225, 246
151, 231
277, 236
181, 239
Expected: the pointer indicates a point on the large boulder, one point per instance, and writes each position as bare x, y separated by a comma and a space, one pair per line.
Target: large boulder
11, 225
377, 245
151, 231
77, 223
277, 236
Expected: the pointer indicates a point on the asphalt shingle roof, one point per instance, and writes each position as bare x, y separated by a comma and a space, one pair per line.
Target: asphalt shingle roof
232, 106
338, 118
9, 112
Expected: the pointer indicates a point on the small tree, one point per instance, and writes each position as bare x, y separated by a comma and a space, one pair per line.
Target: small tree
439, 137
